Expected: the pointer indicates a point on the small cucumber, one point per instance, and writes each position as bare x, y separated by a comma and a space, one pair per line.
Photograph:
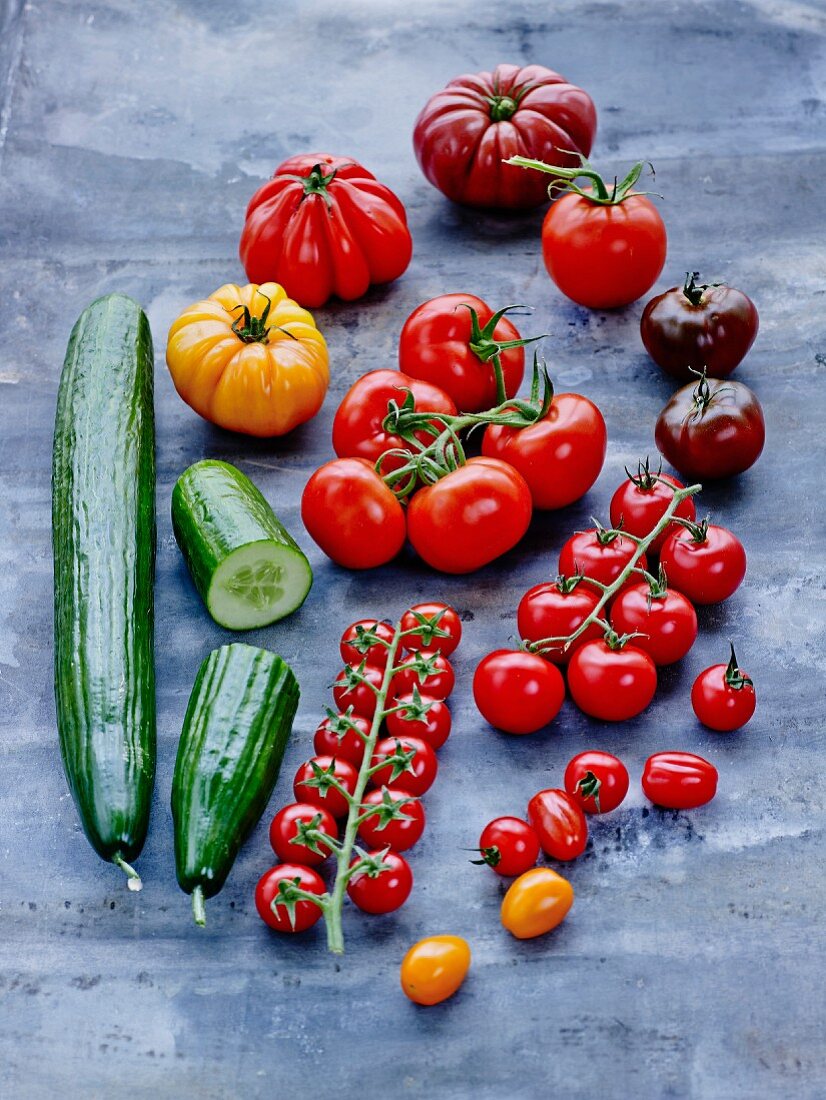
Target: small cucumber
236, 728
248, 569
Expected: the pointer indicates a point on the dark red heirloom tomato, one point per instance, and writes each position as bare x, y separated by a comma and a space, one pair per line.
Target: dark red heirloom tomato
560, 456
421, 775
600, 554
385, 890
475, 514
438, 684
517, 692
597, 781
679, 780
299, 916
555, 609
611, 682
663, 619
711, 429
320, 792
284, 830
352, 515
324, 225
438, 344
358, 430
641, 501
559, 823
437, 628
420, 716
697, 327
359, 643
336, 736
509, 845
723, 697
381, 830
707, 563
465, 132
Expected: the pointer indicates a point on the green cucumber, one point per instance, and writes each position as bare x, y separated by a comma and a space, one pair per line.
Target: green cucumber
236, 728
246, 566
103, 535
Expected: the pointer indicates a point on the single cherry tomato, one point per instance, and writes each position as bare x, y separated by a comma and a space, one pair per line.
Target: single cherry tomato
384, 887
509, 845
555, 609
438, 628
663, 620
284, 830
723, 696
437, 684
475, 514
359, 643
711, 429
352, 689
599, 553
536, 902
560, 456
381, 829
706, 563
416, 779
340, 735
352, 515
421, 716
679, 780
559, 823
610, 681
284, 915
640, 503
434, 968
597, 781
517, 692
322, 770
697, 327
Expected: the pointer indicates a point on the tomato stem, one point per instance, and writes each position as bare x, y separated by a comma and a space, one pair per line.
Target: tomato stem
598, 193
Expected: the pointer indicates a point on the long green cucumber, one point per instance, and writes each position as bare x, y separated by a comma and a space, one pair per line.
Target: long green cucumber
103, 534
236, 728
246, 566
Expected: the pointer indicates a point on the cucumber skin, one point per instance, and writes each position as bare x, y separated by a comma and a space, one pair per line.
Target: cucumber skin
237, 725
216, 509
103, 533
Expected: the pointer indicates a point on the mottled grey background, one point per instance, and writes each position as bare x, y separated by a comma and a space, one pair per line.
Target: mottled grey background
131, 137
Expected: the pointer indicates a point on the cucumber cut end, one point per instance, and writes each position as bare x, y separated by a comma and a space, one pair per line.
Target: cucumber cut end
258, 584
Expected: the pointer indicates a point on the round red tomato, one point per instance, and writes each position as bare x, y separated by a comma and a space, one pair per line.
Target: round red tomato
284, 915
358, 426
359, 642
417, 778
324, 225
352, 688
342, 735
381, 829
284, 830
723, 697
470, 517
597, 781
517, 692
436, 626
664, 621
437, 345
560, 456
611, 683
555, 609
322, 770
437, 684
383, 887
420, 716
464, 134
559, 823
679, 780
599, 554
509, 845
706, 563
352, 515
640, 503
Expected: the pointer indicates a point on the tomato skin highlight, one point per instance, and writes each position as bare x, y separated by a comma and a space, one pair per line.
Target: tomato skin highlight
666, 625
611, 684
560, 456
679, 780
718, 705
333, 800
441, 615
386, 892
434, 968
547, 611
470, 517
438, 685
416, 782
559, 823
433, 727
399, 835
707, 570
352, 515
306, 912
283, 830
639, 509
517, 692
509, 846
353, 652
583, 554
609, 771
536, 903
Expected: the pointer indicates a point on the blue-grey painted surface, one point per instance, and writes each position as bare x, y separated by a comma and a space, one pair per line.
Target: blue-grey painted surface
131, 137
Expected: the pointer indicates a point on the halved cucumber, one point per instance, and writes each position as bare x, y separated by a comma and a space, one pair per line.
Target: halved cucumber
246, 566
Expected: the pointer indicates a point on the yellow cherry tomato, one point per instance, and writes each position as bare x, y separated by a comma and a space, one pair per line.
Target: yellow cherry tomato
250, 359
536, 902
434, 968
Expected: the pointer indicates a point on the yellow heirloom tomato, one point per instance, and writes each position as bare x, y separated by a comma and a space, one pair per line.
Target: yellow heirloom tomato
250, 359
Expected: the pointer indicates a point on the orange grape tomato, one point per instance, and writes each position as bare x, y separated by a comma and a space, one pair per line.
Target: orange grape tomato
536, 902
434, 968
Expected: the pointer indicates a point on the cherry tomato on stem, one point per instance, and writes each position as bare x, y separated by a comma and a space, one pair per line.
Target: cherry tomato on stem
536, 903
597, 781
420, 716
559, 823
383, 884
342, 735
663, 619
723, 696
353, 687
411, 765
430, 674
517, 692
362, 641
611, 679
398, 820
437, 628
434, 968
279, 911
705, 562
292, 823
641, 501
600, 553
555, 609
509, 845
679, 780
315, 782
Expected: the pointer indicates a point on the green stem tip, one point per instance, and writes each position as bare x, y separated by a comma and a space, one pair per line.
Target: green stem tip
133, 879
199, 906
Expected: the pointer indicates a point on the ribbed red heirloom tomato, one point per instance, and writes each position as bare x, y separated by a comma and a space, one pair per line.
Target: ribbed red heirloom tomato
723, 696
663, 619
382, 891
600, 554
517, 692
555, 609
437, 628
284, 830
399, 833
679, 780
610, 681
324, 225
641, 501
560, 456
706, 563
597, 781
509, 845
559, 823
304, 914
465, 132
